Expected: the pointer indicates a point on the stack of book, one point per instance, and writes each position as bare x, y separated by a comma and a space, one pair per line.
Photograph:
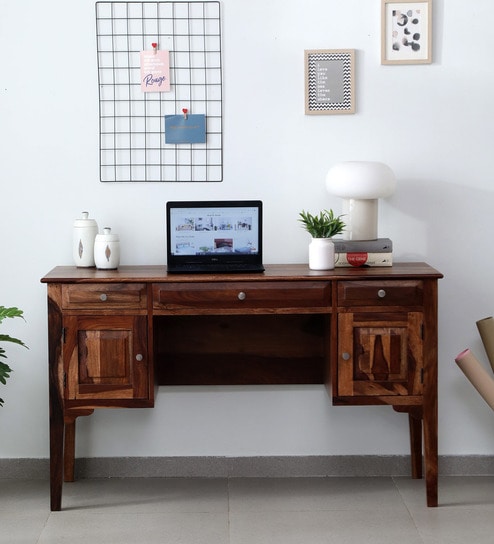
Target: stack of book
356, 253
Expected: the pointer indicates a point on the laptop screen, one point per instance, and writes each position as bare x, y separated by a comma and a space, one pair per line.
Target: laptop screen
213, 232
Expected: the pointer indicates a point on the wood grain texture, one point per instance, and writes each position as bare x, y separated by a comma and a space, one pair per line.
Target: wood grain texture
369, 334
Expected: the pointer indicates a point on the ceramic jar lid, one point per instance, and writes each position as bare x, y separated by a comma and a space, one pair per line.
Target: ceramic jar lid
107, 236
85, 221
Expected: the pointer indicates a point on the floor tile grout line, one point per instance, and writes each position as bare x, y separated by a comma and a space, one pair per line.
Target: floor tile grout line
410, 513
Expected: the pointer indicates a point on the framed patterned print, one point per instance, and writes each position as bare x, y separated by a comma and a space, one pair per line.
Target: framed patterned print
329, 81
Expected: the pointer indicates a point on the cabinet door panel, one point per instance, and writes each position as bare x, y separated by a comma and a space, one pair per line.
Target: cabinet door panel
106, 357
380, 357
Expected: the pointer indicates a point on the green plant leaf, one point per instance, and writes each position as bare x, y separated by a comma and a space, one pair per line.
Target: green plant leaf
324, 225
7, 338
5, 370
10, 312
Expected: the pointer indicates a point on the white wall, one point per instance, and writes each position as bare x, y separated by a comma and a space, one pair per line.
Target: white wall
433, 124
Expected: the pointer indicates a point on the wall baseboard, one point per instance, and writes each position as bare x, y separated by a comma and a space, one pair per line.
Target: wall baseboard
247, 467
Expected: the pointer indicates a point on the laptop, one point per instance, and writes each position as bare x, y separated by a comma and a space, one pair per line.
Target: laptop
223, 236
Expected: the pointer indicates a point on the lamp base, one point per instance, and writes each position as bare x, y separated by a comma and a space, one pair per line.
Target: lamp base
360, 217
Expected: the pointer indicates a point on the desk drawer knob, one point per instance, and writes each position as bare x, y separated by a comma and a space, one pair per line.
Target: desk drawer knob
103, 297
381, 293
345, 356
139, 357
242, 295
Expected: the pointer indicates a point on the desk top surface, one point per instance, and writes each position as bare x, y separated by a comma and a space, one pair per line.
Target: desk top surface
273, 272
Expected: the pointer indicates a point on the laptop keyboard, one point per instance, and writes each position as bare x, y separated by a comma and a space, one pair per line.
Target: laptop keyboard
216, 268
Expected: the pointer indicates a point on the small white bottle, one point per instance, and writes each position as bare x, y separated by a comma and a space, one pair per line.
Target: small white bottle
85, 231
107, 250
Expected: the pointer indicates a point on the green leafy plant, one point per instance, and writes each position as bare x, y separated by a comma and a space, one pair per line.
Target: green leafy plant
324, 225
5, 370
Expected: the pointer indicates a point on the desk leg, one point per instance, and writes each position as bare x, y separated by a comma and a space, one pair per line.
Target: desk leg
56, 458
430, 401
415, 425
431, 457
426, 418
415, 430
69, 442
69, 449
55, 400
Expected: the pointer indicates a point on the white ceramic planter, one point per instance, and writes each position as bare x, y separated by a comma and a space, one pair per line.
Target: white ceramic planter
321, 254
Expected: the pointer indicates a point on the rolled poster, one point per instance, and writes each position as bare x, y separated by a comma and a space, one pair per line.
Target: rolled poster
486, 330
478, 376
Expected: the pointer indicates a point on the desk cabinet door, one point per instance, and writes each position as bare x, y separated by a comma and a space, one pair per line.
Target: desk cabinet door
106, 357
380, 354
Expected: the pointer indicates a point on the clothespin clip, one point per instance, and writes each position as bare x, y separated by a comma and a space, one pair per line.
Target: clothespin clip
185, 111
155, 47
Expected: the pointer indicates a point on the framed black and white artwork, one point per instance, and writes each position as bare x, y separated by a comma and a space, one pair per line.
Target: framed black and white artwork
406, 32
329, 81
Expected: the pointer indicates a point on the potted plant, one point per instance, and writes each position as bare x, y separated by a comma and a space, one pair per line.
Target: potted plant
322, 228
5, 370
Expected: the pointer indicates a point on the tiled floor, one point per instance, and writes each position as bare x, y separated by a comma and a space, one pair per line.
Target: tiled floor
249, 511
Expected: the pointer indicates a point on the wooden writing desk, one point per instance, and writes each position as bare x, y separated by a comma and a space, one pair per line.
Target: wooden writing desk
369, 334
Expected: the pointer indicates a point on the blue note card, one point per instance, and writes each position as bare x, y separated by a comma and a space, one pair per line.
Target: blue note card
181, 130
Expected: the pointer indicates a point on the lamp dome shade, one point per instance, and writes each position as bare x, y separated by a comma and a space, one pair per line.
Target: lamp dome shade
361, 180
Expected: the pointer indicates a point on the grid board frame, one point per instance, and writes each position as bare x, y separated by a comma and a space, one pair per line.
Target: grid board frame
131, 122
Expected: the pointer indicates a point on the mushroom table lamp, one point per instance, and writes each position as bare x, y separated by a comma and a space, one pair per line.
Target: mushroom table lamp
360, 184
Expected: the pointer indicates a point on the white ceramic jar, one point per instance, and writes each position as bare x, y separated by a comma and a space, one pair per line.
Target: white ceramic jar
85, 231
107, 250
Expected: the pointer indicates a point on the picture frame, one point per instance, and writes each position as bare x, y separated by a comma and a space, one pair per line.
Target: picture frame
329, 81
406, 32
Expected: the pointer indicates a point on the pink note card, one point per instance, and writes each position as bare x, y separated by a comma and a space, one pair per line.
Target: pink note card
155, 71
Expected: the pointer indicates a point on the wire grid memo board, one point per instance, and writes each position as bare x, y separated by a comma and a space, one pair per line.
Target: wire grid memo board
132, 139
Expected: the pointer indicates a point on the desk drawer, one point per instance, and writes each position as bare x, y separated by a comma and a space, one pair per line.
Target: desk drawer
104, 295
380, 293
242, 295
